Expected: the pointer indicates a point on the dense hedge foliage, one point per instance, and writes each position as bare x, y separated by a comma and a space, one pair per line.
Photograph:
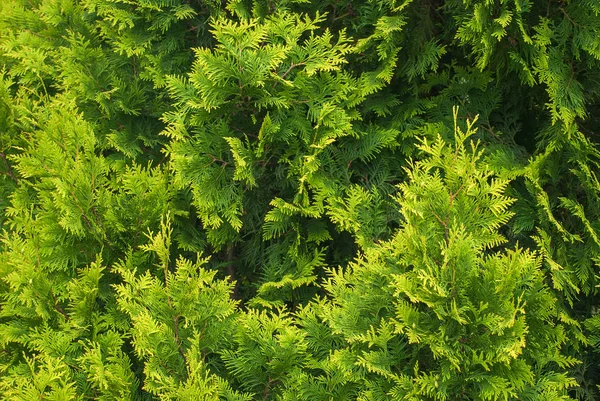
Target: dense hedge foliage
299, 200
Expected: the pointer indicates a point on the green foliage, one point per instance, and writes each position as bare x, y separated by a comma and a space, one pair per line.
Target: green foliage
439, 311
299, 200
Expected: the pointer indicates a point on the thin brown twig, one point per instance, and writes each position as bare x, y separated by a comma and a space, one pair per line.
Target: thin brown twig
292, 66
9, 171
178, 339
57, 306
569, 18
267, 388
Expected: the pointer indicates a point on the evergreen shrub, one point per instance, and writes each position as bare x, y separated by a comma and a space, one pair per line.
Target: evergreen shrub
299, 200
